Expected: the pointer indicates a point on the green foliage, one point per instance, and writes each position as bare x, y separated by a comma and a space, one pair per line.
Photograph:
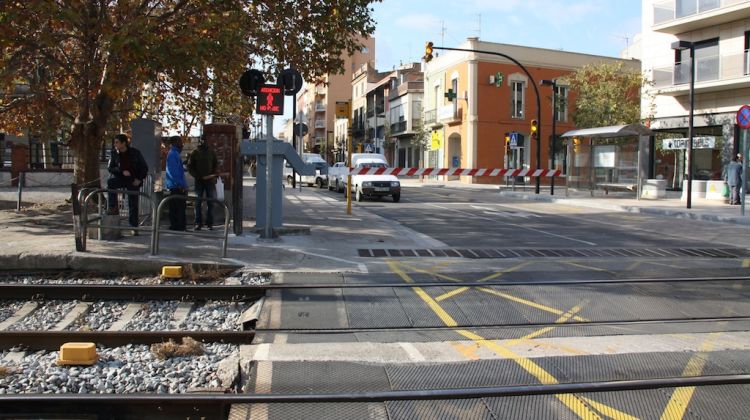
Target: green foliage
99, 64
606, 94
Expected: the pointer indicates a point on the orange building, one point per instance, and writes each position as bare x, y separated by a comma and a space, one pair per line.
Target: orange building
473, 101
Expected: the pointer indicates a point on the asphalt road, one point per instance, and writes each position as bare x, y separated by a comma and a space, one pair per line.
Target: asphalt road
483, 218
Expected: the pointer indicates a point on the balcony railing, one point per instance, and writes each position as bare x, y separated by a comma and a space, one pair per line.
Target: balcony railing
430, 116
320, 108
669, 10
398, 127
707, 69
320, 124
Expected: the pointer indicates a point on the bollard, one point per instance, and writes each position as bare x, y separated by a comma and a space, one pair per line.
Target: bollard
21, 181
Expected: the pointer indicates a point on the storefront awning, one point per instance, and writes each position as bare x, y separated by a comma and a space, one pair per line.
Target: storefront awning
611, 131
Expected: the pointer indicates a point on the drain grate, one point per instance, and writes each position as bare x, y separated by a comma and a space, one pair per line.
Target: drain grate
558, 253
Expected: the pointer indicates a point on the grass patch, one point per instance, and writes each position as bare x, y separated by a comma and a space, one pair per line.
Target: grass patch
210, 274
188, 347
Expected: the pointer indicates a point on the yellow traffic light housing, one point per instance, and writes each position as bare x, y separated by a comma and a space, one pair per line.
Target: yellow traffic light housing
534, 126
427, 52
507, 139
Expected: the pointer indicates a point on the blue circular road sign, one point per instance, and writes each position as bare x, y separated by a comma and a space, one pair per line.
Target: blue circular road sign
743, 116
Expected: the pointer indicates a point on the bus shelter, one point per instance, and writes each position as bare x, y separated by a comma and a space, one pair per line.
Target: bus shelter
610, 158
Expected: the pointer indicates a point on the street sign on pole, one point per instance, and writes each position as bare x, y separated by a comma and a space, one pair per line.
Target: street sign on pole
743, 117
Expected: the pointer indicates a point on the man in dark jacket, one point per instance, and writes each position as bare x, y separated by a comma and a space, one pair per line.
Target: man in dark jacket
127, 169
734, 179
202, 165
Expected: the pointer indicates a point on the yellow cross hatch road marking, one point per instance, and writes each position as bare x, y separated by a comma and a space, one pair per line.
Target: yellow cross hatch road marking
530, 303
681, 397
745, 263
574, 403
449, 295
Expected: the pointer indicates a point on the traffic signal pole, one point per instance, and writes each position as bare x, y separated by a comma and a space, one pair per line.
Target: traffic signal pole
428, 56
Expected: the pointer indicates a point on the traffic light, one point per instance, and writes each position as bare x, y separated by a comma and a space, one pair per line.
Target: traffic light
534, 127
507, 139
427, 52
576, 143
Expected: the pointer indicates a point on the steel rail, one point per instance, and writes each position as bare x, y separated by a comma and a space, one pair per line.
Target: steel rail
567, 324
7, 401
497, 283
240, 292
130, 292
52, 340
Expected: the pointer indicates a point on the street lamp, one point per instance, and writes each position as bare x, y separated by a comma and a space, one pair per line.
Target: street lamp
680, 46
553, 83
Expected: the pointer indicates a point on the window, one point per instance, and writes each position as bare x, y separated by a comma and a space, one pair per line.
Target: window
454, 86
746, 56
517, 99
561, 93
706, 62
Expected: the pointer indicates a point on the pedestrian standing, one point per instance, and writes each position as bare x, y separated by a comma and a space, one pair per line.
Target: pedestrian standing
203, 165
176, 184
127, 169
733, 178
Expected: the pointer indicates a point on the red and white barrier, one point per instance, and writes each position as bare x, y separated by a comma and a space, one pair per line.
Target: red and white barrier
456, 172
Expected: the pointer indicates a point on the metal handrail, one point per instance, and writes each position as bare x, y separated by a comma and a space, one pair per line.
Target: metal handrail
85, 212
157, 222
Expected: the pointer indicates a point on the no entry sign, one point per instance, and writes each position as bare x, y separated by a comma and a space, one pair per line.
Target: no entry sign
743, 116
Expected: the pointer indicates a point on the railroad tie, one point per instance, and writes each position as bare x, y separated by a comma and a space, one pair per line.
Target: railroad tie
20, 314
78, 310
126, 317
181, 314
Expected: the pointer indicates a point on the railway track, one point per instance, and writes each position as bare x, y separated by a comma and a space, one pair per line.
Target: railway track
215, 402
132, 300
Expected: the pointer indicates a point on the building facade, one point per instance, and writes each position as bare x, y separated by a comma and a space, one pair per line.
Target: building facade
317, 101
474, 101
718, 31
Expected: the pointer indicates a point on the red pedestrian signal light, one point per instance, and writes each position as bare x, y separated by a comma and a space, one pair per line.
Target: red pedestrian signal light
427, 52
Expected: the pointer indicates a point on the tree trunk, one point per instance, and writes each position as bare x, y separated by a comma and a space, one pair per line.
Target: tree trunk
85, 144
86, 139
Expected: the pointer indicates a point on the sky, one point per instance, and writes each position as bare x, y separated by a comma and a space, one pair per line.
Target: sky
599, 27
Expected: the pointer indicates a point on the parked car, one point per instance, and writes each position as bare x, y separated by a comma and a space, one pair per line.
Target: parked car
321, 171
337, 176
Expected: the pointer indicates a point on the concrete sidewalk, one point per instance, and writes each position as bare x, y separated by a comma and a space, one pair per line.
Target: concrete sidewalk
41, 235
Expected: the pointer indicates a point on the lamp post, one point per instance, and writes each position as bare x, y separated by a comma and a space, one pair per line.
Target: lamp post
679, 46
553, 83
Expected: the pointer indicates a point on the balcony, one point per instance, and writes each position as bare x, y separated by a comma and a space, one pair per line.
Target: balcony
712, 74
398, 127
449, 114
320, 108
679, 16
430, 117
320, 124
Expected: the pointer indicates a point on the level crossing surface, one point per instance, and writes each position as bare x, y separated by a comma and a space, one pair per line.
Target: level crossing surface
427, 328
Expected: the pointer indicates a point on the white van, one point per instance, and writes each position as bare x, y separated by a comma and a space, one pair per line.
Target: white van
321, 171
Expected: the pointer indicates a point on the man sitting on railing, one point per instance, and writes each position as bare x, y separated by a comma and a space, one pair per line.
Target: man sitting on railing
127, 169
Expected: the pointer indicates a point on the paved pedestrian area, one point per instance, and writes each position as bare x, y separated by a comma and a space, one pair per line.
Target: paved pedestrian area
41, 235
